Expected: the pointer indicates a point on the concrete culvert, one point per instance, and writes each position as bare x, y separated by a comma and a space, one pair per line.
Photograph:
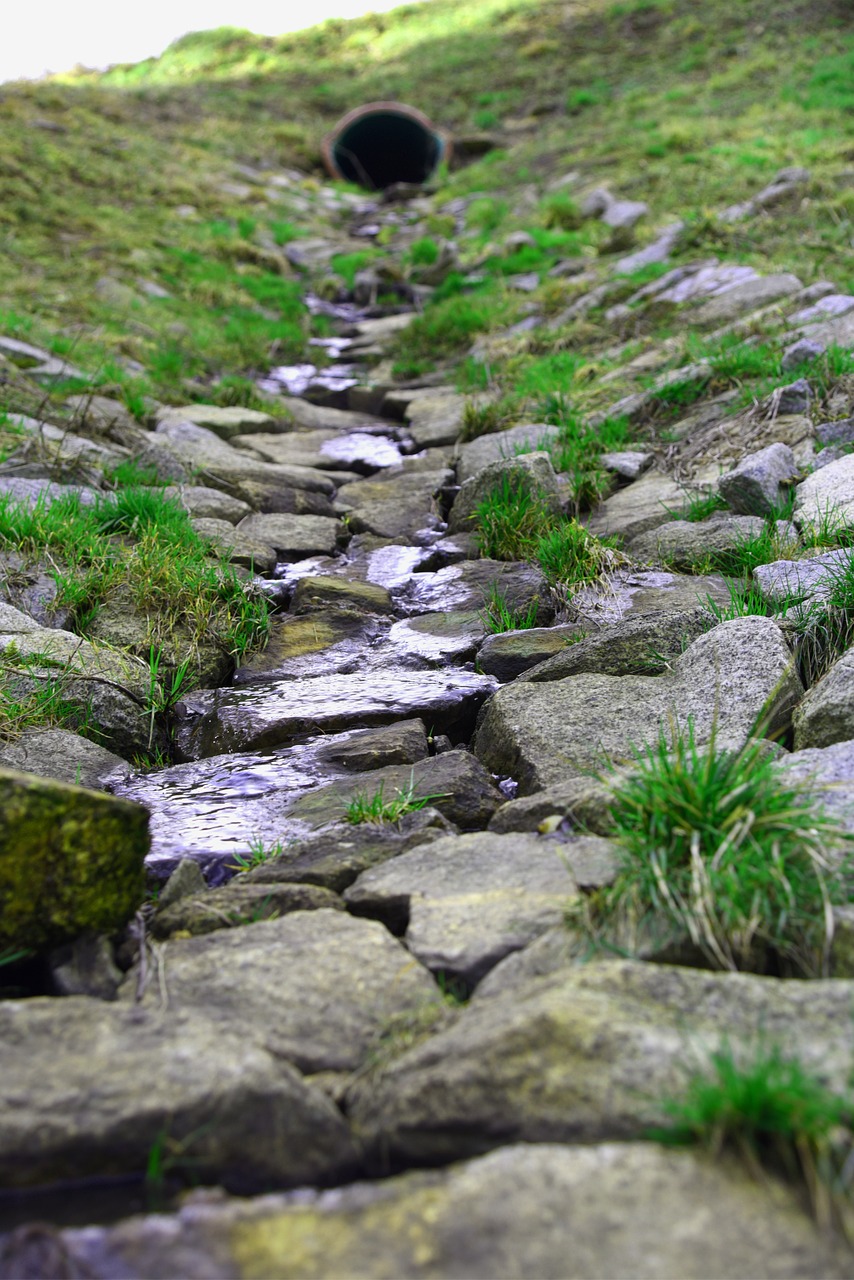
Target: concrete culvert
383, 143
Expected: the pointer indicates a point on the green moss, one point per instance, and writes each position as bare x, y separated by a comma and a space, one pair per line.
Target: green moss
71, 861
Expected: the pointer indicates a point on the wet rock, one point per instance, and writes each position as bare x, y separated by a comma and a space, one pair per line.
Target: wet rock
507, 655
356, 452
239, 904
224, 422
312, 644
77, 1097
757, 485
685, 544
231, 469
217, 720
313, 593
523, 1210
645, 645
468, 901
630, 593
454, 782
207, 504
467, 587
581, 802
641, 506
502, 445
611, 1039
827, 495
334, 856
315, 987
236, 545
396, 505
724, 682
532, 472
292, 535
437, 639
65, 756
744, 298
70, 861
826, 715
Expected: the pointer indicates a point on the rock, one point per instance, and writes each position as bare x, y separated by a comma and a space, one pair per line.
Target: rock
232, 469
70, 861
238, 904
500, 446
611, 1038
86, 967
687, 544
436, 419
78, 1098
794, 398
826, 774
292, 535
756, 485
615, 213
313, 644
827, 495
115, 293
628, 464
531, 471
438, 639
394, 505
645, 645
659, 251
832, 304
315, 987
317, 593
224, 422
240, 547
826, 714
801, 352
359, 451
581, 802
207, 504
186, 881
454, 782
334, 856
217, 720
724, 682
466, 587
508, 654
839, 432
65, 756
629, 593
44, 492
468, 901
521, 1211
637, 508
39, 364
800, 581
744, 298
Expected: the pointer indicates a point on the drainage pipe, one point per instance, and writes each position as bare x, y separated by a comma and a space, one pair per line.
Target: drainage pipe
382, 143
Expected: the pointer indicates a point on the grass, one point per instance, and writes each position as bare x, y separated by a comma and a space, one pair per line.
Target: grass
776, 1115
499, 616
47, 705
699, 508
376, 808
717, 843
259, 852
485, 417
139, 548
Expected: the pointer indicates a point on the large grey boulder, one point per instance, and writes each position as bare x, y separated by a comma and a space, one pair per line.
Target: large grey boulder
499, 446
315, 987
65, 756
467, 901
756, 485
217, 463
632, 593
685, 545
826, 714
547, 1210
826, 775
728, 681
798, 582
531, 472
88, 1089
827, 495
589, 1054
225, 422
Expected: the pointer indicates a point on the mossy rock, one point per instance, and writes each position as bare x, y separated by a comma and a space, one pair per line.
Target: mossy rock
71, 861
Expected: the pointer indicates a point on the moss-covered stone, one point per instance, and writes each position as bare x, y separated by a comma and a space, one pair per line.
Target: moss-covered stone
70, 861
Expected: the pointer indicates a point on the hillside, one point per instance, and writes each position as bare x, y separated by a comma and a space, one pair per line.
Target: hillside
426, 697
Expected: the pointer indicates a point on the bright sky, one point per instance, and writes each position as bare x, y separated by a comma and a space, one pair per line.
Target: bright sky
54, 35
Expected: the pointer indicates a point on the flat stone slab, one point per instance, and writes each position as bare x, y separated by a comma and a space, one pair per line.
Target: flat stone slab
77, 1097
207, 504
437, 639
646, 504
293, 535
641, 645
590, 1054
315, 987
745, 298
237, 904
316, 643
64, 756
435, 419
685, 544
358, 451
467, 586
509, 653
219, 720
632, 593
226, 422
724, 682
201, 449
468, 901
546, 1210
501, 445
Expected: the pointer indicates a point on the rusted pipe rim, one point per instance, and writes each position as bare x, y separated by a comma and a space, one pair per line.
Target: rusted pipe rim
381, 143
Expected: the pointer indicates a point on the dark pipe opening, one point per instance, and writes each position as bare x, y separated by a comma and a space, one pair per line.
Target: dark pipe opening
383, 143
